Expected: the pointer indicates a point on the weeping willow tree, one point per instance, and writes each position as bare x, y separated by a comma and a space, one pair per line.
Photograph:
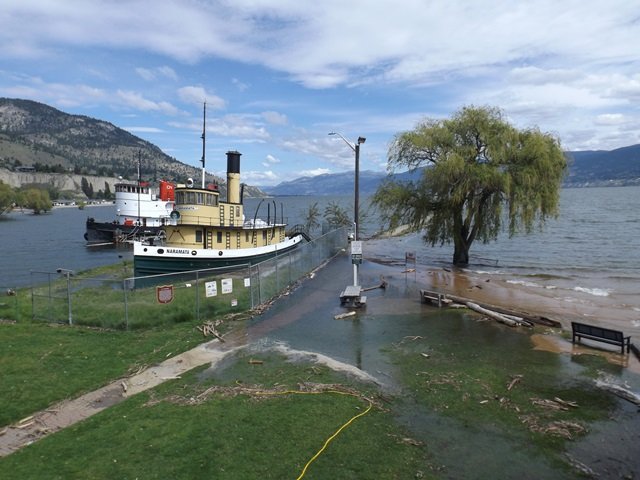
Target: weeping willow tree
482, 176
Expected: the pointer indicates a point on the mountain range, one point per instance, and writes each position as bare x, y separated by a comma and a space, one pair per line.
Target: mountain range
597, 168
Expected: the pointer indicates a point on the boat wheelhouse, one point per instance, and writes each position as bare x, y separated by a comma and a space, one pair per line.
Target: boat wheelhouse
141, 212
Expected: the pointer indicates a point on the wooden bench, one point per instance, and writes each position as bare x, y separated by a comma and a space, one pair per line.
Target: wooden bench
437, 298
601, 334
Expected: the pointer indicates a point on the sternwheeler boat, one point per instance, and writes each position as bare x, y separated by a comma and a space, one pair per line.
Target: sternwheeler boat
141, 212
207, 231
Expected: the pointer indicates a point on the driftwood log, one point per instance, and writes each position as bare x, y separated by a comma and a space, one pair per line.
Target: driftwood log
510, 320
530, 318
621, 392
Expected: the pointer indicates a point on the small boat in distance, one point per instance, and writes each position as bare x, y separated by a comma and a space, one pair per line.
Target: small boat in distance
209, 232
141, 212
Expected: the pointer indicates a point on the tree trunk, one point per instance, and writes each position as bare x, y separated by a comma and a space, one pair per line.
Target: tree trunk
461, 253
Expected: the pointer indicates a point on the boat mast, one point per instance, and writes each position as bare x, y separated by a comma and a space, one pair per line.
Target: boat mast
204, 130
139, 183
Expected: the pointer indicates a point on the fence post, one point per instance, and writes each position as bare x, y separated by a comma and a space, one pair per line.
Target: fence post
197, 296
126, 305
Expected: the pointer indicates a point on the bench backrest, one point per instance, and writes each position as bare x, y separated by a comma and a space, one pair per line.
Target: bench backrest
597, 331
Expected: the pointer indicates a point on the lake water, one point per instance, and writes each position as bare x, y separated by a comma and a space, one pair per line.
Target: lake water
591, 253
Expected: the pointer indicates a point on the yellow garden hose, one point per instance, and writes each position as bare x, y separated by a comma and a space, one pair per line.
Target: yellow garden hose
336, 433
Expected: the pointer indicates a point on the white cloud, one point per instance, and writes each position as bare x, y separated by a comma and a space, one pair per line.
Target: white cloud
58, 94
266, 178
275, 118
136, 101
241, 86
143, 129
314, 172
270, 160
151, 74
198, 95
570, 67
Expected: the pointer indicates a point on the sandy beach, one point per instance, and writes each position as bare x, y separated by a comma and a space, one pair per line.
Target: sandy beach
503, 292
512, 296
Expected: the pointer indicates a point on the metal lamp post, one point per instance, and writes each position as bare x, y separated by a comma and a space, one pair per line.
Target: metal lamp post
356, 248
356, 148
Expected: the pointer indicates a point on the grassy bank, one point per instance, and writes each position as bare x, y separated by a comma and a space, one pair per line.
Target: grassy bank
43, 364
246, 425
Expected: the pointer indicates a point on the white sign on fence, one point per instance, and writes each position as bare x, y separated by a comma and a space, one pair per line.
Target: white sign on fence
227, 285
211, 288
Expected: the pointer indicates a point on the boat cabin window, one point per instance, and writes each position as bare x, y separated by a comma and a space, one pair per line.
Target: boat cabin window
196, 198
198, 236
211, 200
264, 236
219, 237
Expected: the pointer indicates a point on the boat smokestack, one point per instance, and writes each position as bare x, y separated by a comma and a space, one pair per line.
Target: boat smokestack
233, 177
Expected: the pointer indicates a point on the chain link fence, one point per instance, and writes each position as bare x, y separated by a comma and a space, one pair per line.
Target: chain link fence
142, 302
9, 303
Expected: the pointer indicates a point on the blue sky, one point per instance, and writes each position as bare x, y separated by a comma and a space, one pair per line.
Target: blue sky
278, 76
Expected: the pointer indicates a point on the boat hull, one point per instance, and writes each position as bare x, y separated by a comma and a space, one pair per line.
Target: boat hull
161, 259
97, 233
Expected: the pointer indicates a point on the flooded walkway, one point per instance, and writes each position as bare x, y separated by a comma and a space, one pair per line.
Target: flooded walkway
370, 345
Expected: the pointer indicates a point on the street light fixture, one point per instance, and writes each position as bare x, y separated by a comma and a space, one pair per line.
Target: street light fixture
356, 148
352, 293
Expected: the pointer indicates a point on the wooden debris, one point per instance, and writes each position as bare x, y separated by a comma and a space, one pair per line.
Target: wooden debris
565, 402
621, 392
340, 316
511, 321
255, 362
425, 355
514, 379
411, 441
526, 317
124, 387
383, 285
25, 419
560, 428
555, 404
209, 328
581, 467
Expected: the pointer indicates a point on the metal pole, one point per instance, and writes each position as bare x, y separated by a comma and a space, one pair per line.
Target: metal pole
355, 209
126, 305
357, 190
68, 275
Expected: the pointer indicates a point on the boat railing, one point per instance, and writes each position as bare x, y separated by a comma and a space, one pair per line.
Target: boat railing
215, 222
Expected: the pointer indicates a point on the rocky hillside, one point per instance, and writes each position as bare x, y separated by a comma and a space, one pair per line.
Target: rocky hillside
36, 135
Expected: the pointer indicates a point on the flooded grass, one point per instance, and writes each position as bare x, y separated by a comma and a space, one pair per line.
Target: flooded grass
486, 404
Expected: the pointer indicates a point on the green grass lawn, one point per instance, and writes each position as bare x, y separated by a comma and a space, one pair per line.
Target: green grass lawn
42, 364
186, 429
